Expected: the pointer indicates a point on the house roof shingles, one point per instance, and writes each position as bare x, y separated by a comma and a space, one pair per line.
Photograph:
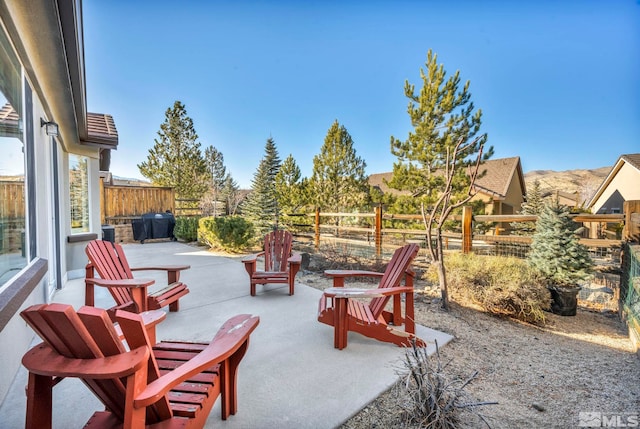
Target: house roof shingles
495, 181
101, 129
633, 159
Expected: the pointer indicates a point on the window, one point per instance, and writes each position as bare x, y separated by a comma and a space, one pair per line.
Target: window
79, 193
12, 165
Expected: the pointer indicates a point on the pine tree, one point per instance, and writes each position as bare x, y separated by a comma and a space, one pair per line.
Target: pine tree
175, 159
533, 206
440, 160
261, 205
230, 191
217, 173
556, 251
290, 189
338, 182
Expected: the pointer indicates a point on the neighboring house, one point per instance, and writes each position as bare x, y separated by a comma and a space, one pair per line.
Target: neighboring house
501, 187
621, 184
569, 199
52, 151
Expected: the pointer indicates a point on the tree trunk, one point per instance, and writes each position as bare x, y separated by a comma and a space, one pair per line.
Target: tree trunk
442, 275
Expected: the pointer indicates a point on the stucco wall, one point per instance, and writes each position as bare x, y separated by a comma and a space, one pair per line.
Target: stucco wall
514, 197
16, 338
625, 186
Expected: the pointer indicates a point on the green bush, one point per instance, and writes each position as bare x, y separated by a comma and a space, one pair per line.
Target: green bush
186, 228
504, 286
556, 251
230, 233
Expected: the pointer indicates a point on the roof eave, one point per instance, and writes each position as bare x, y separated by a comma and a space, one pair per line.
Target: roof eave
607, 180
48, 37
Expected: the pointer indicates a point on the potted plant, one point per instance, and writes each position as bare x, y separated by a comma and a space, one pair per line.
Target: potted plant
560, 258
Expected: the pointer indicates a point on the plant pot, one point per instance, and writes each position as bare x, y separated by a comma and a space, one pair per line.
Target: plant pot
564, 300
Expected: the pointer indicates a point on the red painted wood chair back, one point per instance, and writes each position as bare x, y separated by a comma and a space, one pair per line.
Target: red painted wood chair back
396, 268
110, 262
277, 250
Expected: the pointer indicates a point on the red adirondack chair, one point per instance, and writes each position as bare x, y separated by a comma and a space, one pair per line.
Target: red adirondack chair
339, 306
130, 294
281, 264
169, 385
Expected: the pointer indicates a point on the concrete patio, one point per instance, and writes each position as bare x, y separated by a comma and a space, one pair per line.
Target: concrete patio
291, 376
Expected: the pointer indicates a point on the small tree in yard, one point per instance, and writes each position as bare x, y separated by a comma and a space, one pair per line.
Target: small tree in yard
338, 182
533, 206
261, 205
556, 251
290, 188
440, 160
231, 193
557, 254
217, 174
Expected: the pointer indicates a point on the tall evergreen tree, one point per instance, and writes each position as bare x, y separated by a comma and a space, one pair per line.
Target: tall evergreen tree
175, 159
261, 205
439, 161
217, 173
338, 182
290, 189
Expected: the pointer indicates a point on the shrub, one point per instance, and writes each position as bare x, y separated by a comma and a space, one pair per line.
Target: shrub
504, 286
429, 397
186, 228
230, 233
556, 251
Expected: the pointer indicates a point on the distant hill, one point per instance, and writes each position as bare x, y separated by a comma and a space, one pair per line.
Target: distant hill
584, 182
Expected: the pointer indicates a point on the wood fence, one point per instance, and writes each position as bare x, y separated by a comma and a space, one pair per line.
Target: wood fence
121, 204
12, 203
377, 233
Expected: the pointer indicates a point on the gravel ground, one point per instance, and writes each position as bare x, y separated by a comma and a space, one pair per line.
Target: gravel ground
540, 377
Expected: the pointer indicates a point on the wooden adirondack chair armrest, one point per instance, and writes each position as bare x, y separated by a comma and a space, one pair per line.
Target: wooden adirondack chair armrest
296, 258
252, 258
137, 288
229, 339
396, 290
150, 319
351, 292
250, 262
173, 271
162, 268
43, 360
339, 275
126, 283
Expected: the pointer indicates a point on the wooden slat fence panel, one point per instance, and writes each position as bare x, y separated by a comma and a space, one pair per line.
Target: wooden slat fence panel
12, 203
121, 204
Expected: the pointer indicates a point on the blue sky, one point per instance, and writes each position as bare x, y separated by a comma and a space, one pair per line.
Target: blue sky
558, 82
